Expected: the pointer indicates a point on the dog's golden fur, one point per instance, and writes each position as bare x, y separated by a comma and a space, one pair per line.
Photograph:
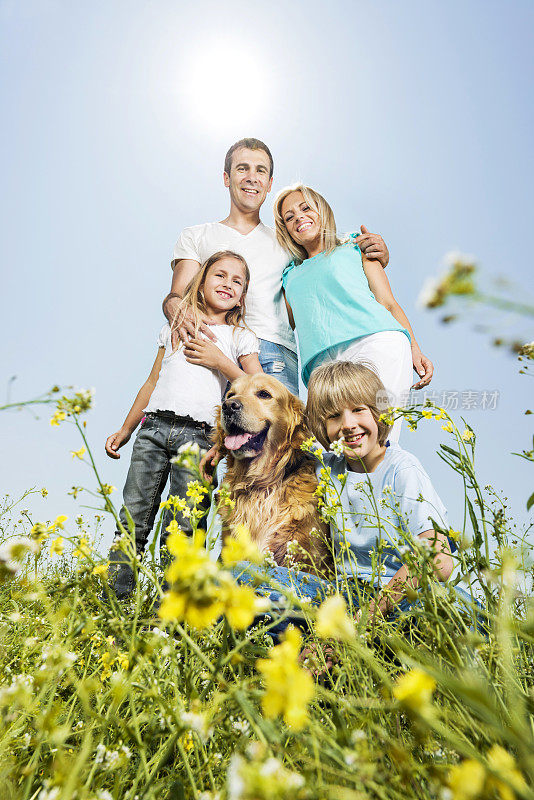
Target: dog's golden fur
273, 487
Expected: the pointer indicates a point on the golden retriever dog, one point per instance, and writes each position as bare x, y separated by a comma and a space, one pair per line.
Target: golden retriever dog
260, 428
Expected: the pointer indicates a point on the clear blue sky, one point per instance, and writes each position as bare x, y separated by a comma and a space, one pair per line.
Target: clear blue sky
414, 118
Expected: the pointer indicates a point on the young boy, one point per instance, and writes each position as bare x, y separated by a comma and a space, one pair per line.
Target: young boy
384, 492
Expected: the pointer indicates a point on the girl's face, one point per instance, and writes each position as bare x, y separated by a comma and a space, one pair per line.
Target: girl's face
357, 428
224, 284
302, 222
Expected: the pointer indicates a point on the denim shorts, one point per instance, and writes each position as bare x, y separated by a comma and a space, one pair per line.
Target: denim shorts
313, 590
281, 363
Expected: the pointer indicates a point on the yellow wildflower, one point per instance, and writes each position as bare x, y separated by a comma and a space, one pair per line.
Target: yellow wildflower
83, 549
426, 413
106, 489
199, 614
123, 661
447, 427
58, 523
58, 417
40, 532
191, 557
195, 491
288, 687
173, 527
504, 764
172, 606
78, 453
240, 547
100, 570
242, 605
333, 621
173, 501
44, 491
466, 780
56, 548
414, 690
202, 615
106, 661
467, 435
187, 741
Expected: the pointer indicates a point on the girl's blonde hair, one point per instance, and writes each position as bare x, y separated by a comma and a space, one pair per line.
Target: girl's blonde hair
194, 296
341, 384
326, 220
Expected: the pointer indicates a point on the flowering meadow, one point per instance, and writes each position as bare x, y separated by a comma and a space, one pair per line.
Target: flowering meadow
181, 693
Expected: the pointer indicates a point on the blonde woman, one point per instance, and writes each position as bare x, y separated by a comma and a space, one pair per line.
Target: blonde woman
340, 302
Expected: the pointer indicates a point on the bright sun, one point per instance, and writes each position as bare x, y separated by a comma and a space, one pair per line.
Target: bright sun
226, 88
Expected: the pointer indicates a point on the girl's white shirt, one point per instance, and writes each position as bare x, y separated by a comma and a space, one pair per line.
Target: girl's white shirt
189, 389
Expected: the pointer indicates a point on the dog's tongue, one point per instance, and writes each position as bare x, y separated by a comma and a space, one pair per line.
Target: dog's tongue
237, 441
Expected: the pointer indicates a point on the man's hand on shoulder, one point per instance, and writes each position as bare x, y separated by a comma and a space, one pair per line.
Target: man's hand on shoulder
183, 323
372, 246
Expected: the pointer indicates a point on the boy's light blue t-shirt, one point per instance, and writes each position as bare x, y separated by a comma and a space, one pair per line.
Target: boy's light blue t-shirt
400, 492
332, 303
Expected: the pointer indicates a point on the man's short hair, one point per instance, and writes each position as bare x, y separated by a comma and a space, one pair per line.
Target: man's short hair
251, 144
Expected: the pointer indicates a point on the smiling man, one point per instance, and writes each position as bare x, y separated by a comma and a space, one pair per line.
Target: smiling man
248, 175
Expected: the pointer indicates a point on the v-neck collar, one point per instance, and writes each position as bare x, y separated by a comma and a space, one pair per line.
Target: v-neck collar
243, 235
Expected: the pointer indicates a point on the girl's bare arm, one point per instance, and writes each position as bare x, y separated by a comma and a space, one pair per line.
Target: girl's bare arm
135, 414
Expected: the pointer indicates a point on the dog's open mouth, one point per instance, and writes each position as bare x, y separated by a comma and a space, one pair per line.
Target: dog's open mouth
243, 440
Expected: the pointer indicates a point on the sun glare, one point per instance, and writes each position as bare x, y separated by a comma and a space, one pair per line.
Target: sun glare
225, 88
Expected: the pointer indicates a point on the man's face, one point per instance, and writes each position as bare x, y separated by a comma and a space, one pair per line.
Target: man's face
249, 181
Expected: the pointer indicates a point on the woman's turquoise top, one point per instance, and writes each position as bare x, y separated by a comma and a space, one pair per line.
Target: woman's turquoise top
332, 303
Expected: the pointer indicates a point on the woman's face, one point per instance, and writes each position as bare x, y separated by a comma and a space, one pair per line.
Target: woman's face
302, 221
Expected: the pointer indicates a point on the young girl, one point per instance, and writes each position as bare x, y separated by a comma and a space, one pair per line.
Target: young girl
340, 302
176, 404
384, 490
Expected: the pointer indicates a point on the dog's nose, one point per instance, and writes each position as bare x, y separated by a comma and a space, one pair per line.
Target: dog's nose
232, 405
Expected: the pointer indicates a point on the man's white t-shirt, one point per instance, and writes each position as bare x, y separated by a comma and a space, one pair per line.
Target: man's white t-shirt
265, 307
191, 390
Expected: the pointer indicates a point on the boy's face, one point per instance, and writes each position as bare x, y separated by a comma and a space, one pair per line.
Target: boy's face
356, 427
249, 182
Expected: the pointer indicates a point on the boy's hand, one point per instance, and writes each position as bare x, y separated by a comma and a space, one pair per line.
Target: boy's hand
203, 352
372, 246
115, 441
208, 463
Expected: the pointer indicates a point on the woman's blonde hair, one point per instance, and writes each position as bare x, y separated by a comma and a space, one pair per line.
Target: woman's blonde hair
194, 296
326, 220
341, 384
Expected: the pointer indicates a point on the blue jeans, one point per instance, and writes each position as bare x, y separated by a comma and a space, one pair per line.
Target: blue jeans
313, 589
157, 442
281, 363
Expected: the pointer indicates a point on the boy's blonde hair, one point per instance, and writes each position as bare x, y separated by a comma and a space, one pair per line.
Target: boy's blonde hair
339, 384
326, 220
194, 296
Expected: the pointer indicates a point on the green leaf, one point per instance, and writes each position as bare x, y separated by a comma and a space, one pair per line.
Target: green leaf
530, 502
129, 520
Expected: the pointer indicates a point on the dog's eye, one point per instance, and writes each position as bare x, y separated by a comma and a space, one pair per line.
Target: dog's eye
264, 394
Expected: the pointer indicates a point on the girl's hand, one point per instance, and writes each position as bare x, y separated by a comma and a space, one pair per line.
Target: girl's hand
423, 366
115, 441
204, 353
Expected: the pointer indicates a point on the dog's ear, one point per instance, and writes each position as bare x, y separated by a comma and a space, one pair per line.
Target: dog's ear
297, 430
218, 434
